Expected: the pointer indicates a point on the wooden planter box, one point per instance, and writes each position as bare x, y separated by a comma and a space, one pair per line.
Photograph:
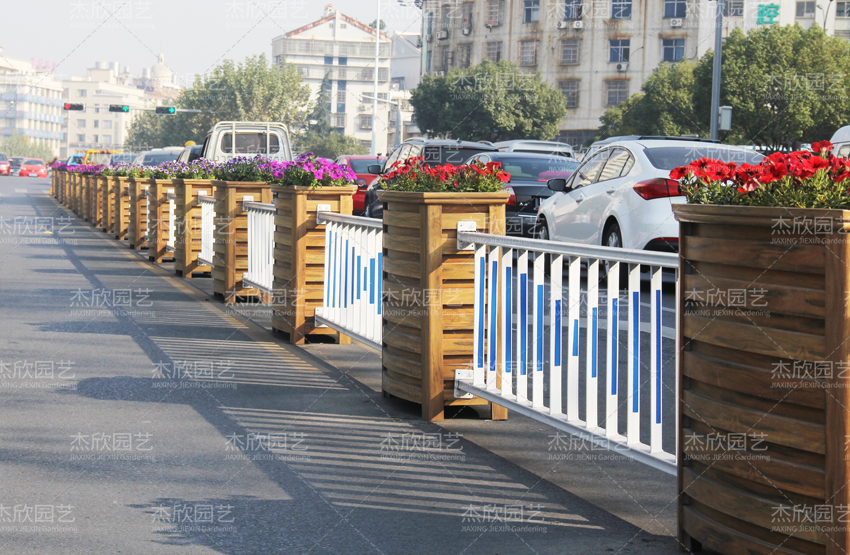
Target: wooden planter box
424, 345
107, 204
96, 200
231, 236
299, 258
121, 208
59, 189
72, 191
85, 199
187, 230
770, 368
137, 227
158, 222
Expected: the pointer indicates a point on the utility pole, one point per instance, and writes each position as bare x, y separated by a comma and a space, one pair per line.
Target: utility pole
715, 78
374, 149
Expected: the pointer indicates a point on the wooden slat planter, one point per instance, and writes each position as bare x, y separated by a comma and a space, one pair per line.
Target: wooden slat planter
73, 192
85, 199
428, 290
299, 258
121, 208
187, 231
158, 222
107, 204
770, 368
138, 223
231, 236
96, 201
60, 185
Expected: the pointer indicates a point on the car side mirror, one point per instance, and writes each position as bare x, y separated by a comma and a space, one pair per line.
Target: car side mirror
375, 169
558, 184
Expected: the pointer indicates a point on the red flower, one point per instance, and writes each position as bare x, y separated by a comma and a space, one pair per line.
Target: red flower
680, 172
504, 177
822, 147
748, 177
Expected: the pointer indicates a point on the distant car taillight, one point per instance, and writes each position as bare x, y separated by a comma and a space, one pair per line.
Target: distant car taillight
512, 198
658, 188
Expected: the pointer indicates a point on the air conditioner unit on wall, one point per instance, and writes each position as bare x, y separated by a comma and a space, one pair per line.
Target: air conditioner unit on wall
676, 22
466, 30
623, 66
578, 24
562, 24
442, 35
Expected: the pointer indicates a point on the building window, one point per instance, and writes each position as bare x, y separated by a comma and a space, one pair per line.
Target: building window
805, 9
618, 50
81, 93
81, 123
570, 51
673, 50
96, 124
278, 60
107, 139
466, 12
842, 9
96, 139
329, 60
368, 74
572, 9
617, 92
675, 8
733, 8
570, 90
342, 60
328, 85
493, 51
621, 9
340, 102
366, 121
528, 52
107, 124
343, 26
340, 85
464, 55
367, 143
531, 11
382, 96
81, 138
383, 74
495, 9
339, 120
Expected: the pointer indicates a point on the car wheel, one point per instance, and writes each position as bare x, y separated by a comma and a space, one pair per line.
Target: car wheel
613, 238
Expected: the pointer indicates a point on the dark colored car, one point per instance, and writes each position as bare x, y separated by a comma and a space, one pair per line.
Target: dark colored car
5, 166
434, 151
15, 164
124, 157
529, 173
359, 164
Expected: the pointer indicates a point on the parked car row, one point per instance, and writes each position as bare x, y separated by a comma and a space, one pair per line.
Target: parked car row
24, 167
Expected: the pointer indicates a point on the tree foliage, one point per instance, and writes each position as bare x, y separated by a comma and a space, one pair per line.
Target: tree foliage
786, 85
252, 90
330, 145
495, 102
25, 147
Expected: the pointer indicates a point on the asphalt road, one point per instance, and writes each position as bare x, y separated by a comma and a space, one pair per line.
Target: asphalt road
140, 415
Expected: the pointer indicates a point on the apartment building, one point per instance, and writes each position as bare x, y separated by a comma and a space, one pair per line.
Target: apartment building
30, 102
598, 52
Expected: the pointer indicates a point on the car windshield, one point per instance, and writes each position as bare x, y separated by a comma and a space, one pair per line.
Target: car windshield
538, 169
33, 163
123, 157
3, 158
436, 155
362, 165
15, 162
159, 158
76, 159
98, 158
249, 143
670, 157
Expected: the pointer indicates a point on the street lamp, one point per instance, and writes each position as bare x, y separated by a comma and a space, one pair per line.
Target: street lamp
715, 78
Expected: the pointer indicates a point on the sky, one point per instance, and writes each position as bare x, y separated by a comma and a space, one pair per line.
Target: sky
194, 35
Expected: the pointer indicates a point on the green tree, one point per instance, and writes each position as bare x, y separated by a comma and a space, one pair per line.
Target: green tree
252, 90
495, 102
665, 106
25, 147
320, 118
330, 145
383, 25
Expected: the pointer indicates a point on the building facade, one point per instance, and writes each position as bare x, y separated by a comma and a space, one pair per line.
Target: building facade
343, 49
598, 52
30, 102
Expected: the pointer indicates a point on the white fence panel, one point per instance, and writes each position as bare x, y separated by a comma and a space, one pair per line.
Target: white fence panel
260, 272
207, 229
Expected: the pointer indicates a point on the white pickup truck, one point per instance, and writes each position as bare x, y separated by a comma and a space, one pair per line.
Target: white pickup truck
229, 139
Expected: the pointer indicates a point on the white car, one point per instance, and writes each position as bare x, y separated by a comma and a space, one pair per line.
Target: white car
622, 196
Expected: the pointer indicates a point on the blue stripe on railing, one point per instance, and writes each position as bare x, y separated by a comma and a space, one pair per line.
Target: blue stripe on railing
345, 286
614, 340
353, 270
575, 337
539, 366
494, 296
595, 335
509, 324
635, 350
333, 270
380, 281
365, 278
358, 276
557, 332
371, 281
483, 275
523, 321
658, 356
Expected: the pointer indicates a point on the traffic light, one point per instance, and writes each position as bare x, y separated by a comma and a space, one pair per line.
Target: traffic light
74, 107
166, 110
119, 108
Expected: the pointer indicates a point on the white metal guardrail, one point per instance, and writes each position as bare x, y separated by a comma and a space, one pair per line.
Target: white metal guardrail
172, 224
260, 272
509, 363
353, 283
207, 253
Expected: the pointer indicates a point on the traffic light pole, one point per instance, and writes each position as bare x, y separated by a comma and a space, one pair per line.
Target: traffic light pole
715, 78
